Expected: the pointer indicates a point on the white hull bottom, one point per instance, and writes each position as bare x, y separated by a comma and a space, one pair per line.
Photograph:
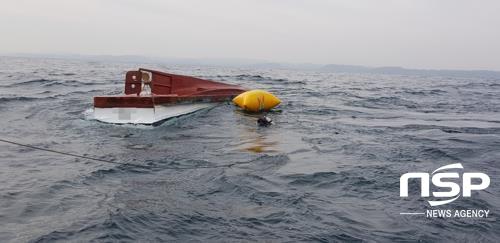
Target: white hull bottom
146, 115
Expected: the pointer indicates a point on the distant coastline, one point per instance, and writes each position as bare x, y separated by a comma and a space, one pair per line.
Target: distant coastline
254, 63
408, 71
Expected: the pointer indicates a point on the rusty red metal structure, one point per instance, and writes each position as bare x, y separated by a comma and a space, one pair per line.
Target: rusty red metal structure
166, 89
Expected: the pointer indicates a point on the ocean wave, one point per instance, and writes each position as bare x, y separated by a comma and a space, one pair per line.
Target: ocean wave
24, 98
62, 74
337, 150
259, 78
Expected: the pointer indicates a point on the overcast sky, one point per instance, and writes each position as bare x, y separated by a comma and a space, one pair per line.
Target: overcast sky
452, 34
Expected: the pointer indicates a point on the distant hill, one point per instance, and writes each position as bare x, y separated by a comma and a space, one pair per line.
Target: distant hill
406, 71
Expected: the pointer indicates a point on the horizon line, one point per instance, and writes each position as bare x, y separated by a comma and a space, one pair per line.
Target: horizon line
242, 61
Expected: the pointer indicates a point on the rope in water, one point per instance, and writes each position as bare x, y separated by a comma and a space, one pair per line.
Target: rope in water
118, 163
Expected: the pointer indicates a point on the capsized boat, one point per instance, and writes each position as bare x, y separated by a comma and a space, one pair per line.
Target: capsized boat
153, 96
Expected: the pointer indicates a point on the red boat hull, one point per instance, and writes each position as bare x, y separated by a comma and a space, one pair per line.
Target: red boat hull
167, 89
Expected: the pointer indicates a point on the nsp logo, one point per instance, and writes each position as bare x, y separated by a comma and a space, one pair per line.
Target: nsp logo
441, 180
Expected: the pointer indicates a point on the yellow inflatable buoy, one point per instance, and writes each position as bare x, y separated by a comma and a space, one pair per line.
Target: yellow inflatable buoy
256, 100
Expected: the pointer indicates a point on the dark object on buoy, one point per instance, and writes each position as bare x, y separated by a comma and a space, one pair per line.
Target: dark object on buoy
264, 121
